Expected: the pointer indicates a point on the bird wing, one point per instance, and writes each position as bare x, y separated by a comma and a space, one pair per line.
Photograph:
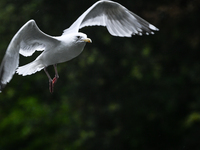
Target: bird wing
118, 20
30, 38
26, 41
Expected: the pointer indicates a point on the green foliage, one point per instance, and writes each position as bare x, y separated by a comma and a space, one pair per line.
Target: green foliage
120, 93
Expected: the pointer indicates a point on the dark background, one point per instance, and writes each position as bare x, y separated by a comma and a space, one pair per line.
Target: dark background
139, 93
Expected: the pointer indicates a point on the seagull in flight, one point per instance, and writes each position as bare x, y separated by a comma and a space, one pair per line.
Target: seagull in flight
118, 20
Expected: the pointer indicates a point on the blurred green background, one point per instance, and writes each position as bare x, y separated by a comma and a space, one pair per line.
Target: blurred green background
139, 93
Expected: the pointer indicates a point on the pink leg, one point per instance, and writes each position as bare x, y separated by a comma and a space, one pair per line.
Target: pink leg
56, 74
50, 81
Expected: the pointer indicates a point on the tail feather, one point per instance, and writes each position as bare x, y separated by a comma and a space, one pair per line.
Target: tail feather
30, 68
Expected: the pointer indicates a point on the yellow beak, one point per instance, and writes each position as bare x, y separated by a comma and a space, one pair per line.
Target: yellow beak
87, 40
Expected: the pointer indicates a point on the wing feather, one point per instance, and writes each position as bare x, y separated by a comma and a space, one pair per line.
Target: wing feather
31, 38
118, 20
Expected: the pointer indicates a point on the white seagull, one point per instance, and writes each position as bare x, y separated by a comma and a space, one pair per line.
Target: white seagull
118, 20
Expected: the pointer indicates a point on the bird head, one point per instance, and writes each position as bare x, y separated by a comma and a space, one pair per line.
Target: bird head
81, 37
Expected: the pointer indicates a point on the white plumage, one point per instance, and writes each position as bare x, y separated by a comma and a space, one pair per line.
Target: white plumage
116, 18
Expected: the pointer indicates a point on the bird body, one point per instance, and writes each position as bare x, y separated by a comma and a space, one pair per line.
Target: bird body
71, 45
118, 20
68, 47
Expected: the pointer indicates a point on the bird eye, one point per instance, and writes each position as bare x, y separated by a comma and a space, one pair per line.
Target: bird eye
78, 37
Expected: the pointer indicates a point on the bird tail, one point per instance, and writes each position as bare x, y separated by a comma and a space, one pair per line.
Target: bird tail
30, 68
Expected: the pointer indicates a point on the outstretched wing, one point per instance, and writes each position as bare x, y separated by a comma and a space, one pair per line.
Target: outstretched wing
118, 20
26, 41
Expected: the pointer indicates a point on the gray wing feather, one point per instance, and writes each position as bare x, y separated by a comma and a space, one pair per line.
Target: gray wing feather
118, 20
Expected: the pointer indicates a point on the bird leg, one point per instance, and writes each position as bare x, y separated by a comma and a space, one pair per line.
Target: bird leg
56, 74
54, 80
50, 80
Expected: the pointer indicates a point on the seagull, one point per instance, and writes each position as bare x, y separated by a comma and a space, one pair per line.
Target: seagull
118, 20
